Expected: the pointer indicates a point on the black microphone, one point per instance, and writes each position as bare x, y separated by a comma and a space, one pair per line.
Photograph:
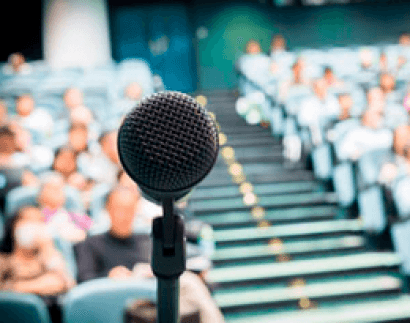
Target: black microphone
168, 144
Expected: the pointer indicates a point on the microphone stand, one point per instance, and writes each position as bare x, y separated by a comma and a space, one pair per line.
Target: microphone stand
168, 261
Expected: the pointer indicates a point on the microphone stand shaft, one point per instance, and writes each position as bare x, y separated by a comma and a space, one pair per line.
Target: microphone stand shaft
168, 297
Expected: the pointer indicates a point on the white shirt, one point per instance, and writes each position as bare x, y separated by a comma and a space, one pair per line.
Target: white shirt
39, 121
361, 140
314, 111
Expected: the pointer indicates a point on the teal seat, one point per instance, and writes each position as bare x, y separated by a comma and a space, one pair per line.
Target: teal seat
17, 307
103, 300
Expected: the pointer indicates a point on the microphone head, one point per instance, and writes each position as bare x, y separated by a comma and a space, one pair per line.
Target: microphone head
168, 144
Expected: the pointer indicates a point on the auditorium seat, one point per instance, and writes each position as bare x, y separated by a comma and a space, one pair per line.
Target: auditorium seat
103, 300
18, 307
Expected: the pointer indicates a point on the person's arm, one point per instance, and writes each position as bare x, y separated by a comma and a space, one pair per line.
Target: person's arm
51, 283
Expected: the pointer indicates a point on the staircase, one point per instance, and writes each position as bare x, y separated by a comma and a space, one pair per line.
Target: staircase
284, 250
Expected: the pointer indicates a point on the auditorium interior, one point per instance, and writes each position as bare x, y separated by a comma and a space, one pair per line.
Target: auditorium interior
305, 215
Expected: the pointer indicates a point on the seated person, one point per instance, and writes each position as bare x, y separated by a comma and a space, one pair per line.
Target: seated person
120, 254
331, 80
368, 71
345, 120
65, 163
404, 55
37, 120
3, 114
282, 60
29, 261
16, 64
297, 80
254, 65
10, 154
61, 223
318, 110
75, 109
388, 86
370, 135
133, 94
400, 166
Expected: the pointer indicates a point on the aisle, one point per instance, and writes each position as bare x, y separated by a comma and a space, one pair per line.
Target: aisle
284, 251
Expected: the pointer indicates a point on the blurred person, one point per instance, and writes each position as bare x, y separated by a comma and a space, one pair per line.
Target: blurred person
30, 263
317, 111
10, 155
61, 223
330, 78
3, 113
388, 86
404, 54
37, 120
383, 63
16, 64
278, 44
297, 80
368, 71
133, 94
254, 65
65, 162
370, 135
108, 142
120, 254
75, 110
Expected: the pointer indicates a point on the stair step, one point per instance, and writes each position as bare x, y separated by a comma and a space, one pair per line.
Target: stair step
287, 231
375, 311
266, 201
250, 169
286, 176
251, 141
229, 255
272, 296
256, 274
259, 189
224, 220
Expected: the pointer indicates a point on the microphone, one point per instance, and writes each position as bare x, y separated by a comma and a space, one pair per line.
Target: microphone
168, 144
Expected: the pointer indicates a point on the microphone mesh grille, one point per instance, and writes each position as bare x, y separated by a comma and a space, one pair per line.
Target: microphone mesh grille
168, 142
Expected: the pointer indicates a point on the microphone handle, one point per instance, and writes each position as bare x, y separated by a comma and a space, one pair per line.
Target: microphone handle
168, 300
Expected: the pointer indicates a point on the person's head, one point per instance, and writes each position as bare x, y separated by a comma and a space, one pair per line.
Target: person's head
108, 142
3, 113
346, 104
366, 58
133, 91
387, 82
320, 88
253, 47
121, 205
328, 75
278, 43
78, 137
16, 60
404, 39
401, 139
65, 161
375, 98
25, 230
297, 69
24, 105
7, 141
73, 98
372, 118
52, 194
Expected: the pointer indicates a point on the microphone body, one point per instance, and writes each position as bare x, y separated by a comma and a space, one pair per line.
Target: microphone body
167, 145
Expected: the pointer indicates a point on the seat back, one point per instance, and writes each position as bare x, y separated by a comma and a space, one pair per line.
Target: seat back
103, 300
344, 183
18, 307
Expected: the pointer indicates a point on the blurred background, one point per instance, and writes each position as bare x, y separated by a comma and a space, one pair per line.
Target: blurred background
306, 214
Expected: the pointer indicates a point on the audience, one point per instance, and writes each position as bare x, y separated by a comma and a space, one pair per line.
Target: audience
36, 120
16, 64
121, 254
29, 261
61, 223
